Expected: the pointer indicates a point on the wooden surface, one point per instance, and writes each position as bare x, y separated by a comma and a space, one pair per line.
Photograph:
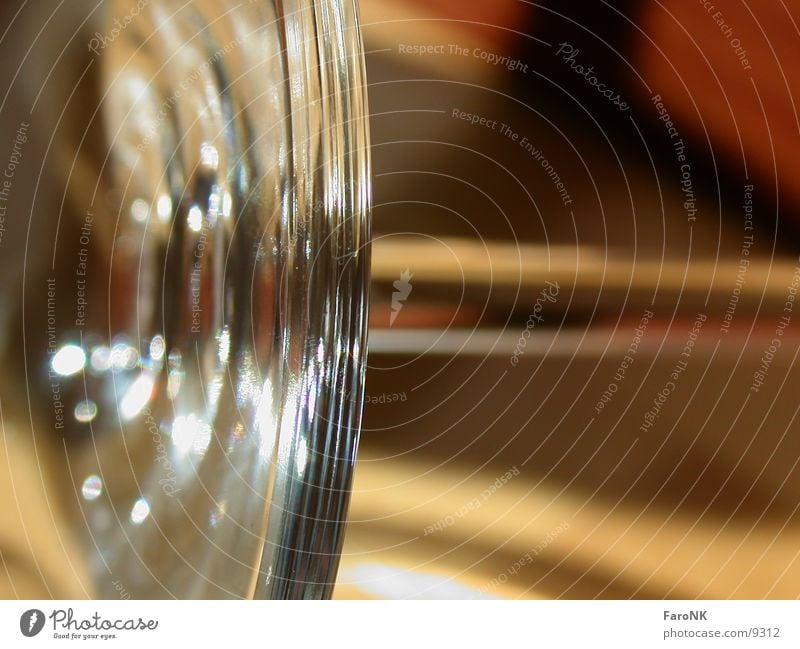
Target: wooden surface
614, 551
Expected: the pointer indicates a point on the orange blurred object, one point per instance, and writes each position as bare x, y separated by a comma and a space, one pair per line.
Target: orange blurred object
508, 15
728, 68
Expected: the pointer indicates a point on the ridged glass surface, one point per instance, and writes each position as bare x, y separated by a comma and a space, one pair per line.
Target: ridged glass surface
214, 381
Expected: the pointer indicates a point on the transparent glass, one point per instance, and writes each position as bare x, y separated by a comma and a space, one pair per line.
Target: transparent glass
210, 356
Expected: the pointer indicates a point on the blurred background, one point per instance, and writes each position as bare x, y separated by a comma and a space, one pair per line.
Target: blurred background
583, 329
640, 156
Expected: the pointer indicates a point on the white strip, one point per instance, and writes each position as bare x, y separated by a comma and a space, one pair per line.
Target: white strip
286, 625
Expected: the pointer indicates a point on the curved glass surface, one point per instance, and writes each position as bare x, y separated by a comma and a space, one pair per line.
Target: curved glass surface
211, 361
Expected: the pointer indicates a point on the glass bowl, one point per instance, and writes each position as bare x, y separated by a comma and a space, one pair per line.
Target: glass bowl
199, 343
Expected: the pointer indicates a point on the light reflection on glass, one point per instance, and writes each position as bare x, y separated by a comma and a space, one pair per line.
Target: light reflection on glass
190, 433
85, 411
247, 388
217, 515
174, 380
140, 511
266, 426
214, 390
237, 435
175, 374
227, 204
123, 357
213, 209
224, 345
209, 156
195, 219
68, 360
140, 210
157, 348
100, 359
164, 207
302, 456
137, 396
92, 488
